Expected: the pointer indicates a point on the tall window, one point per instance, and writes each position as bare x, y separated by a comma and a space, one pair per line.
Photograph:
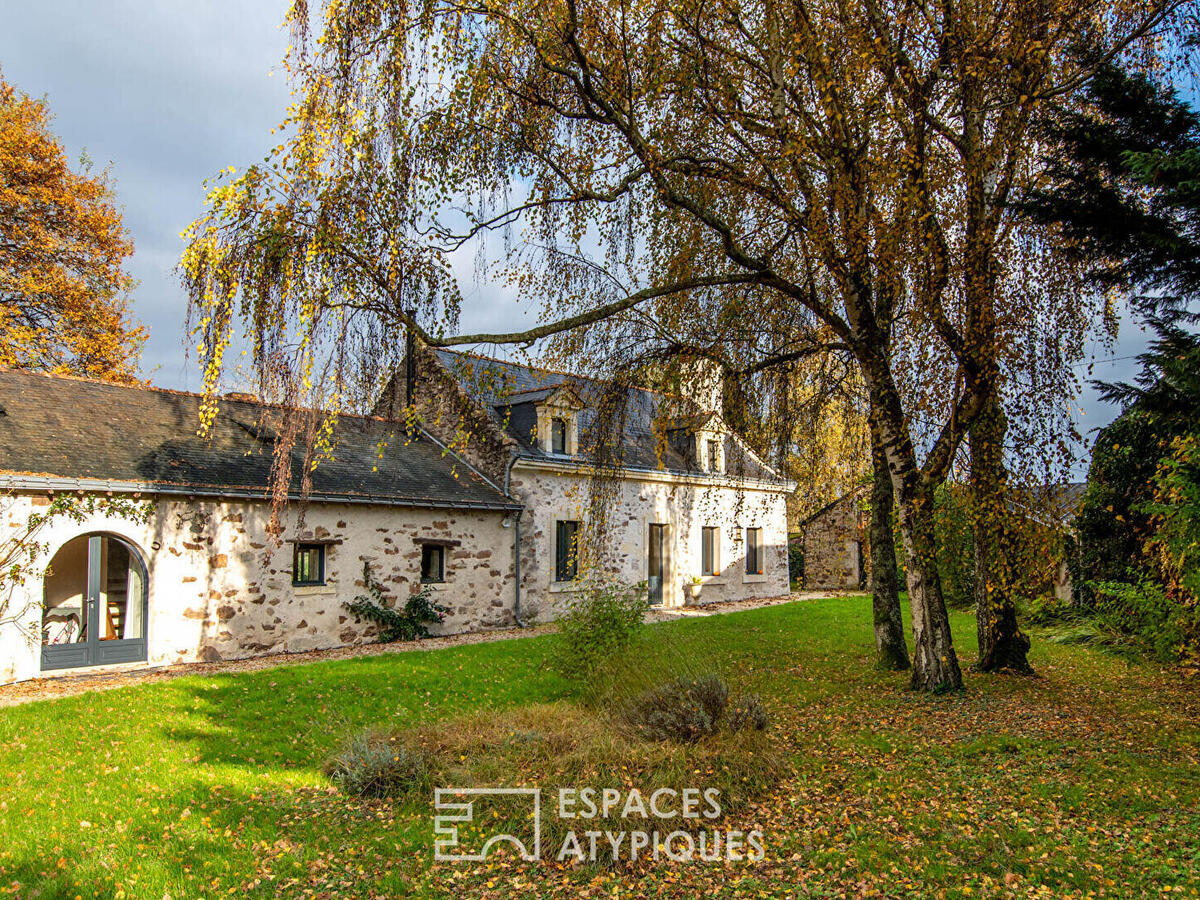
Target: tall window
754, 554
708, 551
308, 564
714, 455
433, 563
566, 550
558, 435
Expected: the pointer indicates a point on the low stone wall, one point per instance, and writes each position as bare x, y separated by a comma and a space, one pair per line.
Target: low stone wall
221, 588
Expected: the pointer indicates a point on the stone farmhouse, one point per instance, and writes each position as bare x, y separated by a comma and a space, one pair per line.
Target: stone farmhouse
688, 508
488, 500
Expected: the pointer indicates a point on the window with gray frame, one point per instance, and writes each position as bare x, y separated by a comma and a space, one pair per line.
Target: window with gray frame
708, 550
714, 455
433, 563
558, 435
754, 560
308, 564
566, 550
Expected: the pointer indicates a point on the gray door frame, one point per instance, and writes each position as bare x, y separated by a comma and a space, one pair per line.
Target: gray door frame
93, 651
656, 588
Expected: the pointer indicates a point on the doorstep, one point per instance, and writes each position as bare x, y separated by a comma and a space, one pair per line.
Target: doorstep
138, 666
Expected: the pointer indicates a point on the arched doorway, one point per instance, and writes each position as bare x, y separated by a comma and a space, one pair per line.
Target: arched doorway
94, 604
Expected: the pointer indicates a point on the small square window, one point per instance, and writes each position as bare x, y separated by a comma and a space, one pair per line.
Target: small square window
708, 551
433, 563
308, 564
754, 560
558, 435
566, 551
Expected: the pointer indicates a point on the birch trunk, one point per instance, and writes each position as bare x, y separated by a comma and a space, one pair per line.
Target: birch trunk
934, 662
890, 647
1002, 645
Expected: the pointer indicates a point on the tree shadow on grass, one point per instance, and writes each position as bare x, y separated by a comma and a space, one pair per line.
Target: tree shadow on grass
293, 717
164, 788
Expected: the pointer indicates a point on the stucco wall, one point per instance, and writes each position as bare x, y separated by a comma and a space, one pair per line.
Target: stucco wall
220, 589
628, 510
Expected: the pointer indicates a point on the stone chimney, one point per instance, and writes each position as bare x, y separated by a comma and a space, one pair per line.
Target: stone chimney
704, 384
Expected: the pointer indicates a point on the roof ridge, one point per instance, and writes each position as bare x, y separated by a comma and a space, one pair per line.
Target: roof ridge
548, 371
156, 389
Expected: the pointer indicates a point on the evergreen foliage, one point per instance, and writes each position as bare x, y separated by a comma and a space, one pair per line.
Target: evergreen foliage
1127, 194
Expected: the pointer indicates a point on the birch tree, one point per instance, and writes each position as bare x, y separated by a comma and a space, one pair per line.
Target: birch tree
839, 161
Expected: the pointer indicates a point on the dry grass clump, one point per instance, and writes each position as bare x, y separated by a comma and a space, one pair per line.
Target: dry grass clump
653, 716
563, 745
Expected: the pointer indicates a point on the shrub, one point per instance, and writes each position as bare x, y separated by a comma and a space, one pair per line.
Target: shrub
1174, 548
796, 562
1146, 613
1111, 525
599, 624
1049, 609
374, 764
406, 624
747, 713
1082, 632
683, 710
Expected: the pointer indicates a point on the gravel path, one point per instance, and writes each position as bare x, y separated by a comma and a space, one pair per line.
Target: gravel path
70, 685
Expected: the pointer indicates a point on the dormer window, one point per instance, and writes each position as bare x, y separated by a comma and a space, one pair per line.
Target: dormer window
557, 409
708, 449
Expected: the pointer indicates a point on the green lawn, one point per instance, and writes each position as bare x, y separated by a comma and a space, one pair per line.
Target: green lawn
1084, 781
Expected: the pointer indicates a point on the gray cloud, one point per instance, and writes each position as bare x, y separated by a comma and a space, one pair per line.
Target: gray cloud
166, 93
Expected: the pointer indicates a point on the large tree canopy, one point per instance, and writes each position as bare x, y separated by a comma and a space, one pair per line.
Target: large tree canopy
770, 173
63, 287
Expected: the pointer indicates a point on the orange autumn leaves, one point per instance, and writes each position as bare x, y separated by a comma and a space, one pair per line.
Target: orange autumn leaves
63, 289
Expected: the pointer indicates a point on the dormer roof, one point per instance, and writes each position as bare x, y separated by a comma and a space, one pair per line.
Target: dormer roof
561, 394
701, 421
509, 391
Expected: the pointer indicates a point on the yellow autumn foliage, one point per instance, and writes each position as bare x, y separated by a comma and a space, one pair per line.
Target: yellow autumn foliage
63, 288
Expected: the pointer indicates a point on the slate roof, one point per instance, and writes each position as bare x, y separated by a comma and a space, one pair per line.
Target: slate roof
1052, 504
66, 429
1068, 498
533, 395
507, 390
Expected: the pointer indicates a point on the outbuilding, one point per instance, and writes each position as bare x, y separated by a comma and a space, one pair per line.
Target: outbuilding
167, 550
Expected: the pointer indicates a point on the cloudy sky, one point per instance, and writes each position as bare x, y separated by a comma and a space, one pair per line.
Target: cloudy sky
168, 93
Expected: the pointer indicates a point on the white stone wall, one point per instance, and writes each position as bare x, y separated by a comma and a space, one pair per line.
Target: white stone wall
634, 504
219, 588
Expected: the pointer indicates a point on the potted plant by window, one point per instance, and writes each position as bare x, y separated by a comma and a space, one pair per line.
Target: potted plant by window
694, 586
